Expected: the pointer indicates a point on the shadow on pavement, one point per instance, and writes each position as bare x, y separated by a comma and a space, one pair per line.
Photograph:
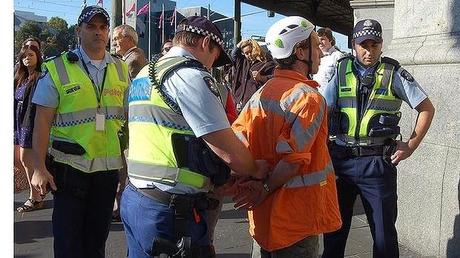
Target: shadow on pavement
233, 214
453, 244
31, 231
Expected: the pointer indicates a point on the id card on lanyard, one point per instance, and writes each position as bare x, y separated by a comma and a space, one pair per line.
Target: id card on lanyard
100, 115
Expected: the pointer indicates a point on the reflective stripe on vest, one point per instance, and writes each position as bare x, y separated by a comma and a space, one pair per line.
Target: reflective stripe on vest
158, 115
88, 115
76, 114
86, 165
312, 178
151, 125
381, 99
168, 174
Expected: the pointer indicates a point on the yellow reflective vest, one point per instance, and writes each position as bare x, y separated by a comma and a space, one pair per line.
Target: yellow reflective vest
381, 101
152, 125
75, 119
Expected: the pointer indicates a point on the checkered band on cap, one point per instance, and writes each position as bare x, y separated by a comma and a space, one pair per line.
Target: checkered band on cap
204, 32
85, 17
367, 32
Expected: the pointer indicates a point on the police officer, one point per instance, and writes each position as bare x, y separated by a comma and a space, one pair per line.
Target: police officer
364, 97
179, 147
80, 109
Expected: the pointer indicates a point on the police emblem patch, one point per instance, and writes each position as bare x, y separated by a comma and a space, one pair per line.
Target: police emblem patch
212, 86
406, 75
367, 23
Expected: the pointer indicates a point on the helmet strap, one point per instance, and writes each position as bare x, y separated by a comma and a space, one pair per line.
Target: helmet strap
307, 62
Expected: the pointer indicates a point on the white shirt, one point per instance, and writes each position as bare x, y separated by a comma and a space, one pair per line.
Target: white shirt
327, 67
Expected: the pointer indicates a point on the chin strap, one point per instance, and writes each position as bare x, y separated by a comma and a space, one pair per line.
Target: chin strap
309, 62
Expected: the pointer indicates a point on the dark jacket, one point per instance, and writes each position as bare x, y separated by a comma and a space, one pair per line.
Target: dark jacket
243, 84
135, 59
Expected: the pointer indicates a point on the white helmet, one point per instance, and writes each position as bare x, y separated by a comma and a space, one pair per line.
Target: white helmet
285, 33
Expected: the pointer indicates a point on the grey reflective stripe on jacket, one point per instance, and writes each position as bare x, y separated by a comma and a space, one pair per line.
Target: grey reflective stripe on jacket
302, 135
312, 178
64, 76
87, 116
85, 165
157, 115
165, 174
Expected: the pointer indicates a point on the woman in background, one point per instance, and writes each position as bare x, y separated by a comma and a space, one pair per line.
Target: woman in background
25, 80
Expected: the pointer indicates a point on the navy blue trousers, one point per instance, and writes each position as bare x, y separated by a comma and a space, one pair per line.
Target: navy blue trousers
145, 219
374, 179
82, 211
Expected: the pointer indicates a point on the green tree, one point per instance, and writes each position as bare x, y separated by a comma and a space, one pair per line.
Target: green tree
29, 29
55, 35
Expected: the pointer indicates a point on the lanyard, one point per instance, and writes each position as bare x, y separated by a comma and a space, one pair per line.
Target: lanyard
97, 90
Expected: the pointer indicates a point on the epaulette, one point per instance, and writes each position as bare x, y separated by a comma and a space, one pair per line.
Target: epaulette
391, 61
345, 56
51, 58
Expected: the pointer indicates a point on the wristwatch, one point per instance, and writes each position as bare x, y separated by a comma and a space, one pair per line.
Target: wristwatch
266, 187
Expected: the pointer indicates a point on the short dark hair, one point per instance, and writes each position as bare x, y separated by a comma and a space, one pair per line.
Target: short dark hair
327, 32
286, 63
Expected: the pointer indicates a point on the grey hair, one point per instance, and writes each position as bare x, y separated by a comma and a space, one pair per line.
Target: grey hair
129, 31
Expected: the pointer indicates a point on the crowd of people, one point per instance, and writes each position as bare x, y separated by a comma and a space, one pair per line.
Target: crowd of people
293, 133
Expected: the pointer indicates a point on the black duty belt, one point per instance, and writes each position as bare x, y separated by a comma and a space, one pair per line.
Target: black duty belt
356, 151
181, 201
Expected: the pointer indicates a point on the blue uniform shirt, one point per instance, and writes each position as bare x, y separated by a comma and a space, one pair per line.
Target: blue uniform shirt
46, 93
407, 90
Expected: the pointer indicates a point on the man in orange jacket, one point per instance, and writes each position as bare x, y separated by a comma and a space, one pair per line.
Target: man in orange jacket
285, 123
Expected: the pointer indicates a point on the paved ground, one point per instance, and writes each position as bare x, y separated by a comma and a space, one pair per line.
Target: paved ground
33, 236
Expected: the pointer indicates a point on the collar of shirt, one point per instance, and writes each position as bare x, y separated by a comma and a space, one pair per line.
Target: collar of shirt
128, 52
330, 51
361, 69
291, 74
106, 60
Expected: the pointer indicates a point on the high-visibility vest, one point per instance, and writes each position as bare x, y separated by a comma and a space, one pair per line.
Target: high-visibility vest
381, 101
152, 124
287, 120
75, 119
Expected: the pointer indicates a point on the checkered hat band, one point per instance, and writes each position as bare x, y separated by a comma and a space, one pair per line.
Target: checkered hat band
204, 33
90, 13
367, 32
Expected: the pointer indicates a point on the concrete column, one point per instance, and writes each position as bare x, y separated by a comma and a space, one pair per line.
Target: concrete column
426, 41
380, 10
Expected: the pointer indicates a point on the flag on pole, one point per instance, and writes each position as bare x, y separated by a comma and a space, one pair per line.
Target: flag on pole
160, 23
131, 10
100, 3
144, 9
173, 16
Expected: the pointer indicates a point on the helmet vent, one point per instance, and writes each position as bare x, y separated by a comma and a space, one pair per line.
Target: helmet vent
292, 26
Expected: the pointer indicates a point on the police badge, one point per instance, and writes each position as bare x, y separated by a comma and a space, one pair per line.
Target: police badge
406, 75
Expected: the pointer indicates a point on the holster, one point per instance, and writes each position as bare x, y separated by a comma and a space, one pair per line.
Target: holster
183, 249
194, 154
68, 147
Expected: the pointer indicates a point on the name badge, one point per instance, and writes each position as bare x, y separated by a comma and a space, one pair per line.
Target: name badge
100, 122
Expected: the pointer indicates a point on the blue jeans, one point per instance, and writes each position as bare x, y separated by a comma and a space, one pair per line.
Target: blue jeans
82, 211
145, 219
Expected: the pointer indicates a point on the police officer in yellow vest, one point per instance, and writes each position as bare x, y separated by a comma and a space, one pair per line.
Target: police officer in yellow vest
80, 109
364, 98
180, 147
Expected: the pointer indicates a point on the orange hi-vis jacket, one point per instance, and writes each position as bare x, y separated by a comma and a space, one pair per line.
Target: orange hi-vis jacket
287, 120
